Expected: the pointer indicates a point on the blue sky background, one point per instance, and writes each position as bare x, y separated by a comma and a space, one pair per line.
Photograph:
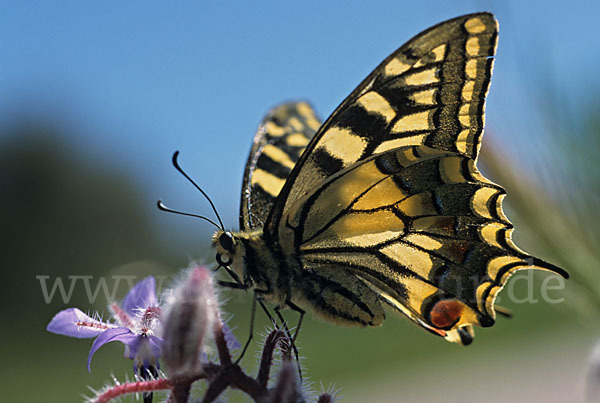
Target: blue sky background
133, 81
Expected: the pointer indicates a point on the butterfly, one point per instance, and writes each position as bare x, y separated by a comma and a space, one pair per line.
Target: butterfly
382, 204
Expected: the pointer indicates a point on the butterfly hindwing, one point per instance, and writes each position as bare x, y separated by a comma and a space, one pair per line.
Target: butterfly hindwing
429, 92
279, 142
420, 226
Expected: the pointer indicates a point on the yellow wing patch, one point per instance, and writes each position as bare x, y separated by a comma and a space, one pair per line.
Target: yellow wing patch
268, 182
343, 144
374, 103
416, 122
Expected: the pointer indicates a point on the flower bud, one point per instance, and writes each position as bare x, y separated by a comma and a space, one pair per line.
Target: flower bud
188, 319
286, 388
326, 398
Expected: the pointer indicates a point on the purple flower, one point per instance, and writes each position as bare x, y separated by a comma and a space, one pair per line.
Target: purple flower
137, 320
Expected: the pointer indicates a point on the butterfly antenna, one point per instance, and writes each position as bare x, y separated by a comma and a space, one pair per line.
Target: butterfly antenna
181, 171
161, 206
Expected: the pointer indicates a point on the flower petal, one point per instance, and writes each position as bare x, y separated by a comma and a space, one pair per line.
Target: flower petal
141, 296
151, 346
155, 345
74, 323
121, 334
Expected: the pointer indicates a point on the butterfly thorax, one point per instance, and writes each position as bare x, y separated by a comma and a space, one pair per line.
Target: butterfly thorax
257, 263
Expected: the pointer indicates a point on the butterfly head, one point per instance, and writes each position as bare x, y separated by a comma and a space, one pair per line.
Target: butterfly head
228, 248
225, 244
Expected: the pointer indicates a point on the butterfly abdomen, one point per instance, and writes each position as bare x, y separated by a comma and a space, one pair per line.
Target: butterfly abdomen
334, 294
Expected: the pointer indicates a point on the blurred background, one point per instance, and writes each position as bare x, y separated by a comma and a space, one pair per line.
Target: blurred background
95, 98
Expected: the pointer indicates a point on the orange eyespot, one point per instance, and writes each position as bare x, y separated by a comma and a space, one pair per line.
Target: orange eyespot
445, 313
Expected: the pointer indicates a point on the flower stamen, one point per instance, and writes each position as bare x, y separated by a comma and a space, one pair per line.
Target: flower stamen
121, 315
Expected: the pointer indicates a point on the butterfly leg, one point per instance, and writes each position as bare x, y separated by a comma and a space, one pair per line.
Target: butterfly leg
241, 286
292, 339
301, 311
262, 304
256, 297
231, 273
231, 284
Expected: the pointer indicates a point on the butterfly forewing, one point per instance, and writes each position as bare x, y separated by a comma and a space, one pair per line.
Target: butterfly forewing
430, 92
279, 142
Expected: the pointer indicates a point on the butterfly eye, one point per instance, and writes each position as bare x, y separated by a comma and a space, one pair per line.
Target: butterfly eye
222, 262
226, 241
